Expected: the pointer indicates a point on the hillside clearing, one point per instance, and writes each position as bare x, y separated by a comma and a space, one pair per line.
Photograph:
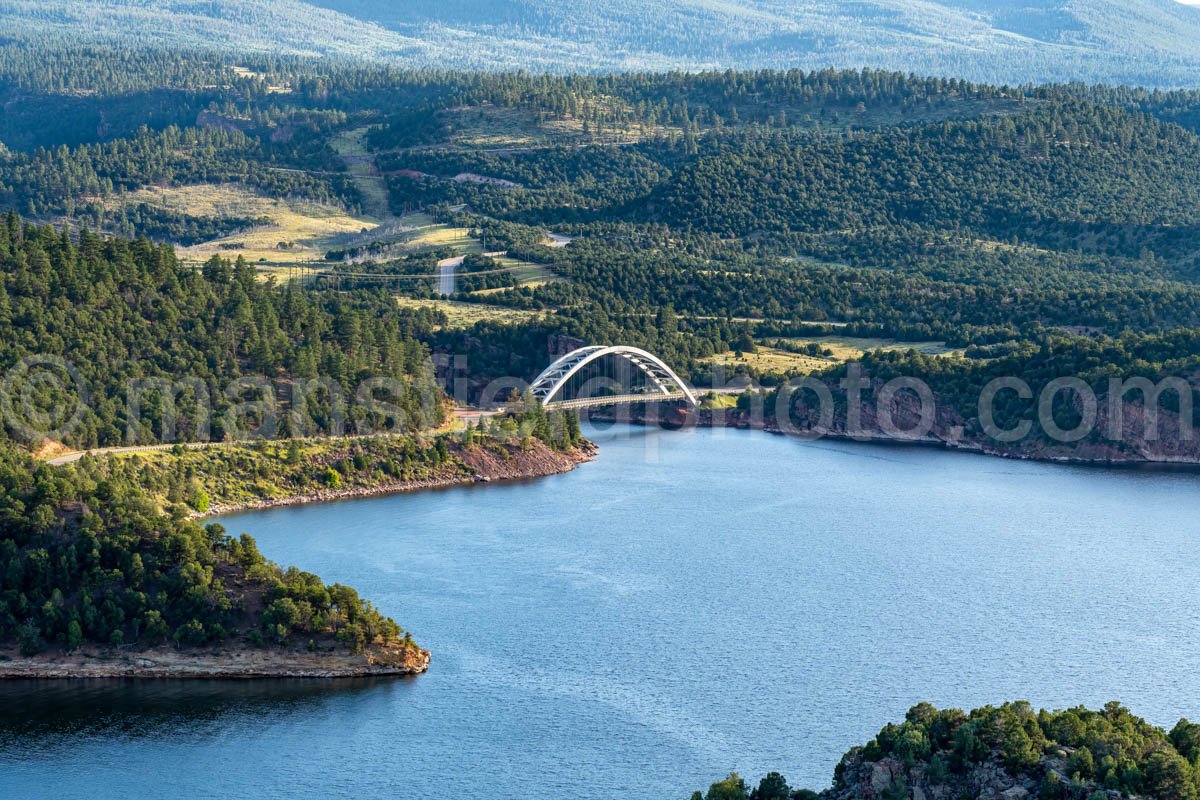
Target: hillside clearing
770, 359
840, 349
527, 273
848, 348
464, 315
300, 231
360, 163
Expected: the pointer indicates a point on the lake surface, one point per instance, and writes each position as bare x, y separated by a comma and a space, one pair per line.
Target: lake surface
691, 603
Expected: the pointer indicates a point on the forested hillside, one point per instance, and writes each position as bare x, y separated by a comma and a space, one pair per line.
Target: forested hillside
89, 559
76, 182
1068, 175
705, 216
1063, 176
121, 312
102, 553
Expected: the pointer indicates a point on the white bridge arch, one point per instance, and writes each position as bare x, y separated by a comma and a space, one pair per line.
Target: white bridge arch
667, 384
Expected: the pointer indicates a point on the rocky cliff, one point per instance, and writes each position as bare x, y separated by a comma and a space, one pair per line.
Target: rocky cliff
891, 779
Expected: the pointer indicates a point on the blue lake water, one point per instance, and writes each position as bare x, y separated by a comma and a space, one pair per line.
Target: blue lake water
689, 604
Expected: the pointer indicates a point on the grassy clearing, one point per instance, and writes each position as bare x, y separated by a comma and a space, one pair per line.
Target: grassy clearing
712, 401
305, 228
464, 315
422, 233
430, 235
770, 359
495, 127
415, 233
527, 273
488, 127
848, 348
352, 148
412, 233
285, 273
418, 233
246, 72
840, 348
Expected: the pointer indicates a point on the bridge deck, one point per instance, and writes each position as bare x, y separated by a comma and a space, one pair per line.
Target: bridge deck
612, 400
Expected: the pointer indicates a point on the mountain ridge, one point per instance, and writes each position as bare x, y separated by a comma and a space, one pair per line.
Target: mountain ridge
1144, 42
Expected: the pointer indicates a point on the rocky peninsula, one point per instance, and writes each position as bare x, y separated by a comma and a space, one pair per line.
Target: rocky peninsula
183, 598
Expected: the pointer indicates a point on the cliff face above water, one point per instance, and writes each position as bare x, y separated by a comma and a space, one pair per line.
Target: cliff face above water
892, 779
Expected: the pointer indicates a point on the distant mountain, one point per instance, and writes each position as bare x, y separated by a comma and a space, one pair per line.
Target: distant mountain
1148, 42
288, 26
1137, 41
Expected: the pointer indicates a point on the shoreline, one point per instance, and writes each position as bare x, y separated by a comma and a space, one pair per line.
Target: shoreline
704, 420
240, 663
974, 448
543, 463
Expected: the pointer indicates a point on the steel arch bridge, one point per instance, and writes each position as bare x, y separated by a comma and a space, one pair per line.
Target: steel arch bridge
662, 379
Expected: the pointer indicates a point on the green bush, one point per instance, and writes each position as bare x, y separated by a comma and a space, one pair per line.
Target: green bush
332, 479
200, 501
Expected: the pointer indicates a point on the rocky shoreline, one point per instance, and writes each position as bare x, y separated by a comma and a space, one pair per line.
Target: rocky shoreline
538, 461
942, 437
397, 659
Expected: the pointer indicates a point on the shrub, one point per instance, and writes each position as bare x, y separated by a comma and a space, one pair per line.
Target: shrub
191, 633
1081, 763
74, 635
29, 637
199, 501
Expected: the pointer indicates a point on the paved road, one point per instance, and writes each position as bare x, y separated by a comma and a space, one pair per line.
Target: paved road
446, 268
71, 458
